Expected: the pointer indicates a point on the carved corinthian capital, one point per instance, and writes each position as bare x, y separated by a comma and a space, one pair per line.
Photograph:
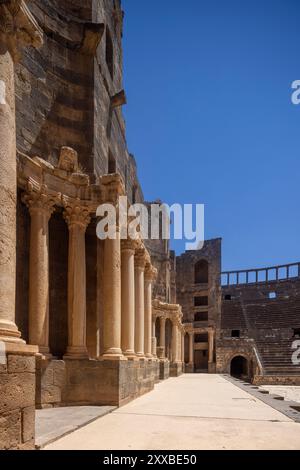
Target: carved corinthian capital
40, 201
76, 214
18, 27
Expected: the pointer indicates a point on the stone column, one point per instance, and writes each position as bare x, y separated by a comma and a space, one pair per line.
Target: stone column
211, 346
150, 276
182, 346
174, 341
154, 340
179, 345
112, 299
17, 29
162, 337
41, 206
140, 263
191, 349
77, 218
128, 297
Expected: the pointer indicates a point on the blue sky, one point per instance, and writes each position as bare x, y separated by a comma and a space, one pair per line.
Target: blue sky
210, 119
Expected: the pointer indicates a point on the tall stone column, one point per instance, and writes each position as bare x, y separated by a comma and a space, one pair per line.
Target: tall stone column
211, 346
191, 348
150, 276
162, 337
174, 341
128, 248
17, 29
41, 206
140, 262
77, 218
112, 299
182, 346
179, 344
154, 340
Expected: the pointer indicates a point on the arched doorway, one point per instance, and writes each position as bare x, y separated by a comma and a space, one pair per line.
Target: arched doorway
239, 367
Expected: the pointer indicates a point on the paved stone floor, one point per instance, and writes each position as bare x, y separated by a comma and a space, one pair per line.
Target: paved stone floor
192, 412
53, 423
291, 393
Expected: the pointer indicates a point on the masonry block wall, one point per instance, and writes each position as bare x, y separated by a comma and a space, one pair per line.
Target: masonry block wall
200, 299
260, 321
17, 404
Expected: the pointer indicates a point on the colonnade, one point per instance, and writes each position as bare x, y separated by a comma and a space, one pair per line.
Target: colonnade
168, 313
127, 284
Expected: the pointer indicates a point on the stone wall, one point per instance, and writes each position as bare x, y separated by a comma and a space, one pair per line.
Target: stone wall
65, 91
17, 407
266, 324
185, 281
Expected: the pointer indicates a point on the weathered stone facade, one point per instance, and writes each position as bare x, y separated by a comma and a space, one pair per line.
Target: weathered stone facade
76, 315
261, 322
85, 321
199, 293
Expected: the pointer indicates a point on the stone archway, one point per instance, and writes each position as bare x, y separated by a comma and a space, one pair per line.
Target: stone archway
239, 367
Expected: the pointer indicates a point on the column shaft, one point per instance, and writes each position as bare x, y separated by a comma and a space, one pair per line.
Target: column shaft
191, 348
162, 336
174, 342
78, 219
154, 340
128, 300
211, 347
112, 299
40, 207
139, 307
150, 275
8, 197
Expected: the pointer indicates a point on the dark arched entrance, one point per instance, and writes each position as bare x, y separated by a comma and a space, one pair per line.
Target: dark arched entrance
239, 367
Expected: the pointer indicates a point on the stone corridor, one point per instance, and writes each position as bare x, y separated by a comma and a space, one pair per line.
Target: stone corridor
190, 412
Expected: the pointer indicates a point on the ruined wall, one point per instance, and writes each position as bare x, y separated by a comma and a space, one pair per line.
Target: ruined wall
266, 315
65, 90
187, 289
17, 406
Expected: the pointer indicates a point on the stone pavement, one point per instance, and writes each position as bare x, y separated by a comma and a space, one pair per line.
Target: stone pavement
192, 412
54, 423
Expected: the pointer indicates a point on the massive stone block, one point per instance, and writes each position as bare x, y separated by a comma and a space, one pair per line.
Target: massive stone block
17, 402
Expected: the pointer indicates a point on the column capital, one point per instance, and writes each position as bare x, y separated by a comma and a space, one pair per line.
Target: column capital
150, 272
18, 27
76, 214
129, 245
40, 201
140, 258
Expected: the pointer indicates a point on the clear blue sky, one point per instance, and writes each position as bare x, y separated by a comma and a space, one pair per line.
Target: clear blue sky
210, 119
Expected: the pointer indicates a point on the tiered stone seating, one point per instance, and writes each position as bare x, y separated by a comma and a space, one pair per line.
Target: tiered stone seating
270, 323
232, 315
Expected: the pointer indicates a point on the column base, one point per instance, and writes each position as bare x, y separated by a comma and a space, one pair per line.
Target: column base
113, 354
74, 352
140, 355
9, 332
130, 354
